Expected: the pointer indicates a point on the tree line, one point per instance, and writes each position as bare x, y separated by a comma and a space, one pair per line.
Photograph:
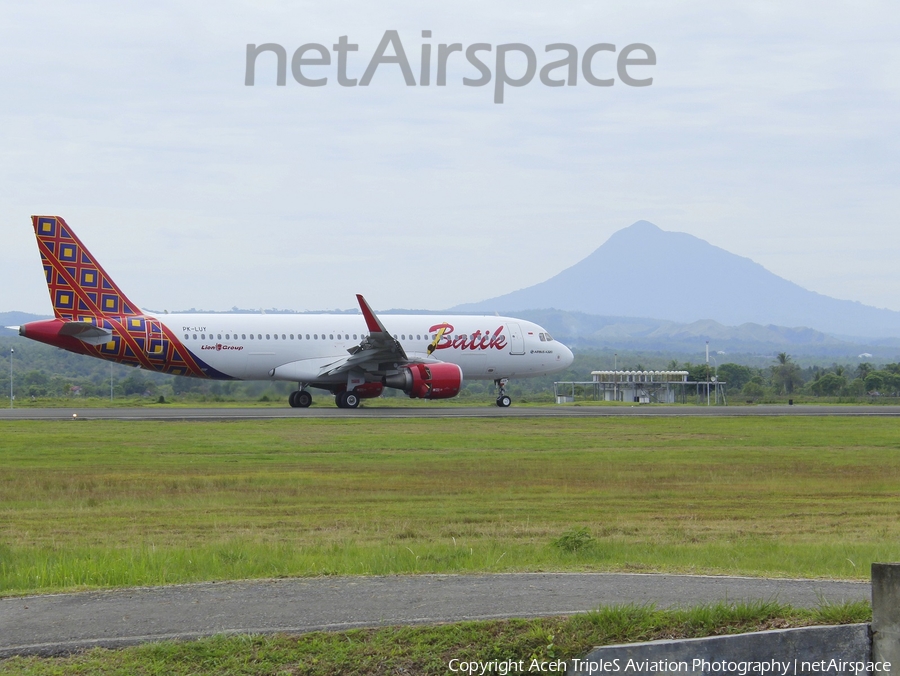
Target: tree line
41, 371
785, 377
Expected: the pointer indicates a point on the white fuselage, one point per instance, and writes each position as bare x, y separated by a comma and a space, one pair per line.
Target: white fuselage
299, 347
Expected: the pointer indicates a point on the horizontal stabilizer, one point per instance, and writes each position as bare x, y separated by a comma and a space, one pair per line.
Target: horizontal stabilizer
86, 332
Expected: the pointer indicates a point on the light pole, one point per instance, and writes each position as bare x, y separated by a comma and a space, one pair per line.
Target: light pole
11, 395
716, 378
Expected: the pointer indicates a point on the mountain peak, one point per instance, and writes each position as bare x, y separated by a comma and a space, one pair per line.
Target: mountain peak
642, 227
644, 271
639, 230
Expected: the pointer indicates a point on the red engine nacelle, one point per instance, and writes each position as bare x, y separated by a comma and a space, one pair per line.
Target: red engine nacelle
428, 381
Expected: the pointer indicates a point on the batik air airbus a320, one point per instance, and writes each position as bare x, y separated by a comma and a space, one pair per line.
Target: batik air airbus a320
353, 357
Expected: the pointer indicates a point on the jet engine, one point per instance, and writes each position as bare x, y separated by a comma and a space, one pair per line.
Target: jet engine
427, 381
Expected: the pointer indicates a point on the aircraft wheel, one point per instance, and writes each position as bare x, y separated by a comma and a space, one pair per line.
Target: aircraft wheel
339, 399
351, 400
504, 401
303, 399
292, 399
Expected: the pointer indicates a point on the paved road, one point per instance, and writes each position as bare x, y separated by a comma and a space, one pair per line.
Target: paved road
56, 624
437, 411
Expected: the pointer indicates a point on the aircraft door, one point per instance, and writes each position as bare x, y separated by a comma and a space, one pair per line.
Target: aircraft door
516, 339
157, 344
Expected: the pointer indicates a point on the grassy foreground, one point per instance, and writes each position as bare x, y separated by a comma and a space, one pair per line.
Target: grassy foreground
95, 504
429, 650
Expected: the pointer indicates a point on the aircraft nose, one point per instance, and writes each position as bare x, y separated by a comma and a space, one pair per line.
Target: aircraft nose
567, 357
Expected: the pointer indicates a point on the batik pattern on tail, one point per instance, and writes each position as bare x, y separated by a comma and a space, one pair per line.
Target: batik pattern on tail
81, 290
77, 284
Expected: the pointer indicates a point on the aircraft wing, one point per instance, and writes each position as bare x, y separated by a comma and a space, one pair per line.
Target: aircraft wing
379, 352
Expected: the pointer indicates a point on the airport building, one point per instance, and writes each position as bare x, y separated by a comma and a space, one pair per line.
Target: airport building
641, 387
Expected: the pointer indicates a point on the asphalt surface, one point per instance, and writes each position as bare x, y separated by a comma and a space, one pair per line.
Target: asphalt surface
62, 623
437, 411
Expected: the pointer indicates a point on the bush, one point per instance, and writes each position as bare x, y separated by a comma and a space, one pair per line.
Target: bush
574, 540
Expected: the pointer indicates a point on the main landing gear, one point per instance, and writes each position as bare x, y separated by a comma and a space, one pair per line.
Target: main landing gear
300, 399
503, 400
346, 399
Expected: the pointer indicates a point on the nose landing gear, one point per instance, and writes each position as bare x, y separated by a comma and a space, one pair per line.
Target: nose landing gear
503, 400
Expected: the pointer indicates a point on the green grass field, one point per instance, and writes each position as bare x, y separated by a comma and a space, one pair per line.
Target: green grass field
95, 504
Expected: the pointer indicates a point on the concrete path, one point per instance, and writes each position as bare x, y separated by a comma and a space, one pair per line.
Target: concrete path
61, 623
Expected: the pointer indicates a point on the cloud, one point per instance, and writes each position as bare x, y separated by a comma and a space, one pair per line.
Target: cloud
770, 130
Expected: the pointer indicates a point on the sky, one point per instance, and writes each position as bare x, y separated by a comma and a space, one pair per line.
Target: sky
770, 130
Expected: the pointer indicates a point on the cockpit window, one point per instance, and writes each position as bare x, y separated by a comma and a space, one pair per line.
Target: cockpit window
549, 337
542, 337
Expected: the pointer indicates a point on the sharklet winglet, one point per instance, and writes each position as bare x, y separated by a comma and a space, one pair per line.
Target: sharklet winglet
372, 322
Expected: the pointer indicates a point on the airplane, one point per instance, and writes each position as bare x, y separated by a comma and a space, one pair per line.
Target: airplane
353, 357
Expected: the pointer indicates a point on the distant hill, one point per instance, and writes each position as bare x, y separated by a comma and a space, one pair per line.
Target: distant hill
642, 271
581, 330
16, 319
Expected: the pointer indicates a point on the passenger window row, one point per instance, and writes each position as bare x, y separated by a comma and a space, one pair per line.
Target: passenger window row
545, 337
271, 336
